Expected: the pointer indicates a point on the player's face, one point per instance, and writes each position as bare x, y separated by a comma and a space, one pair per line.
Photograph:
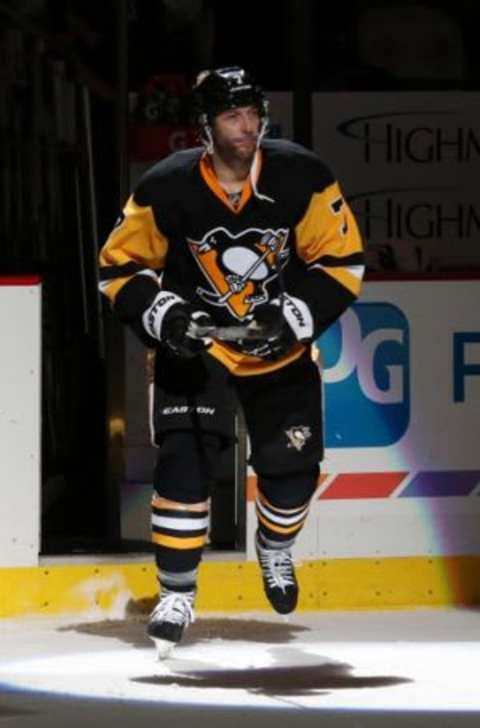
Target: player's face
235, 133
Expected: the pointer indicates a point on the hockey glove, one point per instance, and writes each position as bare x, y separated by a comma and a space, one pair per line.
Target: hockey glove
169, 319
285, 325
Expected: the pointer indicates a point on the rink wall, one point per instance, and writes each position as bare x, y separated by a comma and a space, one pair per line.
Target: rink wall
20, 388
395, 521
116, 588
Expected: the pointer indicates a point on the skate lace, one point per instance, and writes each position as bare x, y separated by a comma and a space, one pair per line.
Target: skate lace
277, 567
175, 607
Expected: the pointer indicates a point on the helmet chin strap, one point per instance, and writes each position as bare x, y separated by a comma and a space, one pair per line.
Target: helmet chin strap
206, 136
207, 139
254, 165
262, 130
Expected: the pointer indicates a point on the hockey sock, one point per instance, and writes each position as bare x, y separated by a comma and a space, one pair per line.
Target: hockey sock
278, 527
179, 533
282, 506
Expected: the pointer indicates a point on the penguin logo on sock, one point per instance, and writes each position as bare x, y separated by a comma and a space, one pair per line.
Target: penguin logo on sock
298, 436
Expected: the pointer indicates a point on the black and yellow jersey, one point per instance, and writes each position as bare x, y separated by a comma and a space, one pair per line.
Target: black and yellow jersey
291, 231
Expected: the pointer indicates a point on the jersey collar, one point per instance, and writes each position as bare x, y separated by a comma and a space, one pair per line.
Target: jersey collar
210, 178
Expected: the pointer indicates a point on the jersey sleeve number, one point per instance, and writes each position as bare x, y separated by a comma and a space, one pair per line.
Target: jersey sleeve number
336, 207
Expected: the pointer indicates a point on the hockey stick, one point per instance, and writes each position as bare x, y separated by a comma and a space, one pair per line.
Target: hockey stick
250, 332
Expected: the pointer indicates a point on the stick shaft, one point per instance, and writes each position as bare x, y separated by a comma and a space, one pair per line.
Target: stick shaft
227, 333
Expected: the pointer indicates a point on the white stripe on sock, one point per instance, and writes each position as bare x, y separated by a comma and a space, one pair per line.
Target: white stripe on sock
282, 520
180, 524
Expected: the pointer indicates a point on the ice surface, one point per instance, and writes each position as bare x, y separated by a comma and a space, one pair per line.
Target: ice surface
367, 664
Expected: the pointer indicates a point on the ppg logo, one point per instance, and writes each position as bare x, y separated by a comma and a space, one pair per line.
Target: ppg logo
366, 375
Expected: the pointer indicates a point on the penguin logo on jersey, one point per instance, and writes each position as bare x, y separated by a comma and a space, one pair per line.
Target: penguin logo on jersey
239, 267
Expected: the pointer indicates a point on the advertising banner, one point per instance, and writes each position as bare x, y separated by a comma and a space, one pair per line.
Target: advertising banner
409, 164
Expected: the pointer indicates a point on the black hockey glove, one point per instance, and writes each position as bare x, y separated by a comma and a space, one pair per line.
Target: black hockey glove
169, 319
284, 327
176, 327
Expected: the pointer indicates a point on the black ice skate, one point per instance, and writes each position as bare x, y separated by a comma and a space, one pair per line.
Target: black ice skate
169, 619
279, 578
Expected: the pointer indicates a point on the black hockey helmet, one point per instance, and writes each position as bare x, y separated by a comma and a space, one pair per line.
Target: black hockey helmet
221, 89
225, 88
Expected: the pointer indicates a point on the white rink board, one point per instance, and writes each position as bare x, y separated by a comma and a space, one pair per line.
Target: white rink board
422, 420
390, 528
20, 424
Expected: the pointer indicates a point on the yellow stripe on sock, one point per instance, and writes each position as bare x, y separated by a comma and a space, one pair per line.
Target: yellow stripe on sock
165, 503
281, 511
279, 529
182, 544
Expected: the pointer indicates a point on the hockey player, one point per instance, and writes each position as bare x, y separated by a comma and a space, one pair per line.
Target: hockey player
242, 230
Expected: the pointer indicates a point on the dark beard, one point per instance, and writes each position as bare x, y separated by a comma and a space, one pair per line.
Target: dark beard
234, 158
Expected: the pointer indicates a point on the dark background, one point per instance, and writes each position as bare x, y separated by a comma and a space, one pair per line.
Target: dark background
68, 74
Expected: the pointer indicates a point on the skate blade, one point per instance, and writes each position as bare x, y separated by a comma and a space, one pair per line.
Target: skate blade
163, 648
